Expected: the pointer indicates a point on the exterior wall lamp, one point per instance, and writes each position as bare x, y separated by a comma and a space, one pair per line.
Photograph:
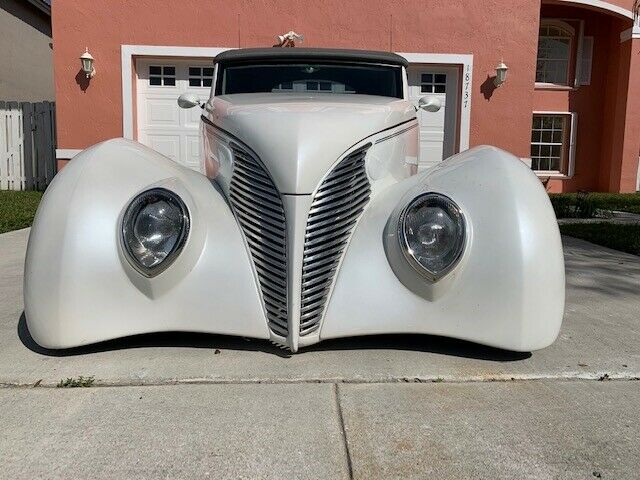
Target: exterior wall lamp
87, 63
501, 74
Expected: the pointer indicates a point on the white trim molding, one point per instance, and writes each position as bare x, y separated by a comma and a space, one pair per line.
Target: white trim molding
630, 34
466, 81
128, 52
601, 5
66, 153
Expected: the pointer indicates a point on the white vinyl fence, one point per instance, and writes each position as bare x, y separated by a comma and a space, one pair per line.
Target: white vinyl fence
27, 145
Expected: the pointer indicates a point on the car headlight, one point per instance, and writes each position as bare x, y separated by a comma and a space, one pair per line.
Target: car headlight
432, 234
155, 227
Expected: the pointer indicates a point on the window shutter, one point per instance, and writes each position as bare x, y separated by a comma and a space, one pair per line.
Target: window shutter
586, 61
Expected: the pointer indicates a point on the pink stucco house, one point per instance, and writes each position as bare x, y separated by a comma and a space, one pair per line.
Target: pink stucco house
570, 106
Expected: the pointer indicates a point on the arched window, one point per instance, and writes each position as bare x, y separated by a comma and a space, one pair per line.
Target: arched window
554, 52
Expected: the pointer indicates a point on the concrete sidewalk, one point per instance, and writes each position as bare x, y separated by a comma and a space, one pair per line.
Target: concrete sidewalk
207, 406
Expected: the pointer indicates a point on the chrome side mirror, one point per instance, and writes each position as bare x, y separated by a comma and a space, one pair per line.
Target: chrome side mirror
430, 104
188, 100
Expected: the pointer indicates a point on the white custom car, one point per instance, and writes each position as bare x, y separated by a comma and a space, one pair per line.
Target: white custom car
309, 220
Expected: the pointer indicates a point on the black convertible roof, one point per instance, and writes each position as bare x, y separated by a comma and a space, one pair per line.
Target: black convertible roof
306, 54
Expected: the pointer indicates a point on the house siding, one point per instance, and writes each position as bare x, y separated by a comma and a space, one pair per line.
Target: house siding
26, 53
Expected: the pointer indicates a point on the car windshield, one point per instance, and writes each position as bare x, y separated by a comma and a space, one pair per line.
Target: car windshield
342, 78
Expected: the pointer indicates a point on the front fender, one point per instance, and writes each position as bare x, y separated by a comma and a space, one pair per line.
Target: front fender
508, 289
79, 288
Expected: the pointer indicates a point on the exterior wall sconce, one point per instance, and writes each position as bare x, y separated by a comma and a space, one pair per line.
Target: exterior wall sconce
87, 63
501, 74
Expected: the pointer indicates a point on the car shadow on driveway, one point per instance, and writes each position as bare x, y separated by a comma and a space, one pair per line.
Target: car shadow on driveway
415, 342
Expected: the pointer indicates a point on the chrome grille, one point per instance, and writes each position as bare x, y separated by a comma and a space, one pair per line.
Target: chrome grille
258, 207
335, 209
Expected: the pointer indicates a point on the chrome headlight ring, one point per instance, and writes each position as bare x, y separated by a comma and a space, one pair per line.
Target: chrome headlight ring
155, 227
432, 234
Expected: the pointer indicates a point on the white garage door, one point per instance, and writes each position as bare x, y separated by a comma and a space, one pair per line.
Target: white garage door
162, 125
437, 129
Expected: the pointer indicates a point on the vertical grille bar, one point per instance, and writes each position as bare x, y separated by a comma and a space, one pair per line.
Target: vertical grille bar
257, 204
336, 207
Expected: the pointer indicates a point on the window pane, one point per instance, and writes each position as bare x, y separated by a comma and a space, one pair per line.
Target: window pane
194, 71
363, 79
170, 81
194, 82
535, 164
207, 72
440, 89
169, 70
427, 78
155, 81
441, 78
554, 53
155, 70
325, 86
312, 85
548, 137
426, 89
206, 82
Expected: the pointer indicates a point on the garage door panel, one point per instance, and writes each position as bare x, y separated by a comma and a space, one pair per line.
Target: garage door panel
192, 116
168, 145
162, 112
162, 124
192, 150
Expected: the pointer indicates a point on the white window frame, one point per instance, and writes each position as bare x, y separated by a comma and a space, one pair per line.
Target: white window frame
558, 23
571, 160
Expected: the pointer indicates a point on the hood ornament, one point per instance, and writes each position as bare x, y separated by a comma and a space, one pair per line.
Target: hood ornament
289, 39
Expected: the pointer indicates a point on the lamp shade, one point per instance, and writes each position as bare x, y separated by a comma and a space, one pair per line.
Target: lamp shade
501, 73
87, 63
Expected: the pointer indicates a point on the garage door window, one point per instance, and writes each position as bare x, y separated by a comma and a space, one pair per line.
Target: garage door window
162, 75
433, 83
200, 76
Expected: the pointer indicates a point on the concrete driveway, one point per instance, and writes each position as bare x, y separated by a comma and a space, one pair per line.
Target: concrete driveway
206, 406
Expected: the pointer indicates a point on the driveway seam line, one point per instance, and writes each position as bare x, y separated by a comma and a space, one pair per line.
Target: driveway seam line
343, 429
604, 376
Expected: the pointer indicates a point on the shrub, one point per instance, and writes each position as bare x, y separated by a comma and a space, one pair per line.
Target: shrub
562, 205
585, 205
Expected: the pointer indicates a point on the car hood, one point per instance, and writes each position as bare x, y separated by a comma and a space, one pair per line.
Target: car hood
300, 137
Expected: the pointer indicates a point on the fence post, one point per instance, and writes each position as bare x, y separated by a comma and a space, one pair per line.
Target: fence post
48, 148
4, 147
27, 131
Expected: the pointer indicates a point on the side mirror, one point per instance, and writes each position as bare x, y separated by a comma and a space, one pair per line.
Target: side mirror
430, 104
188, 100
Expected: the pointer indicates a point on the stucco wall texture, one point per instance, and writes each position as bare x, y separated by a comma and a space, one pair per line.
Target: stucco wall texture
491, 30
